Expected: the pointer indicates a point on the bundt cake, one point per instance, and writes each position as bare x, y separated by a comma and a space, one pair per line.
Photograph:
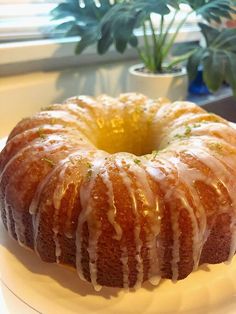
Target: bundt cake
123, 189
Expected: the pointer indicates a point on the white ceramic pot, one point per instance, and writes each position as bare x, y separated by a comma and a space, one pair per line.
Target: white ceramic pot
172, 85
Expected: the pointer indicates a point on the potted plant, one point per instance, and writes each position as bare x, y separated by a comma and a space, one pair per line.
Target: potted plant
216, 57
119, 22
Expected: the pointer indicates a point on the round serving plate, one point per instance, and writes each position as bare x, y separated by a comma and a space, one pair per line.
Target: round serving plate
50, 289
30, 286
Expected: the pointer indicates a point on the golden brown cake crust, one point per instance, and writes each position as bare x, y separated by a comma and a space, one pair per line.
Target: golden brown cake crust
123, 189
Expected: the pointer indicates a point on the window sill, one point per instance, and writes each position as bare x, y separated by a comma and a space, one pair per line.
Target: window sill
57, 54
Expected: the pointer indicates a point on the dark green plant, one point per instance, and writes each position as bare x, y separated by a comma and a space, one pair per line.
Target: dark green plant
217, 56
118, 23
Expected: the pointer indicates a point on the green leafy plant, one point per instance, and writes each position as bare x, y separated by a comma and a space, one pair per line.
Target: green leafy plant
105, 23
217, 57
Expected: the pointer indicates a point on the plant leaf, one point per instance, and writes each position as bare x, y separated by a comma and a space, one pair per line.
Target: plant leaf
152, 6
219, 57
223, 39
66, 9
193, 63
86, 19
89, 38
210, 33
123, 28
183, 48
109, 23
212, 10
230, 71
133, 41
120, 45
75, 30
65, 27
213, 70
106, 39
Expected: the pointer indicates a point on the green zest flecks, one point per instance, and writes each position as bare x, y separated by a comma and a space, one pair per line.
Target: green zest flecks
137, 161
49, 161
41, 134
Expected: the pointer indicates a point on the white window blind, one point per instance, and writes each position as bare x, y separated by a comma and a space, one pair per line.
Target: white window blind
26, 19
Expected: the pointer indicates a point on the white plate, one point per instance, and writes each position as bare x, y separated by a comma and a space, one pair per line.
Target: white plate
2, 142
30, 286
12, 304
50, 289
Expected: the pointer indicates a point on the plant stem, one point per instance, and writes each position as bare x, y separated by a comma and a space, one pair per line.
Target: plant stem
159, 48
161, 26
149, 62
217, 43
181, 58
161, 32
142, 56
169, 45
168, 29
155, 47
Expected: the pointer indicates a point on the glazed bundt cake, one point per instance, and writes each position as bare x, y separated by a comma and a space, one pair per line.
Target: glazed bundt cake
123, 189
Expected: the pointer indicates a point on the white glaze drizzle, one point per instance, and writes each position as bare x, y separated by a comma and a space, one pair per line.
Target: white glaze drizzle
86, 215
227, 179
151, 201
176, 245
33, 206
125, 267
58, 250
6, 206
36, 198
188, 177
182, 172
64, 181
86, 126
58, 195
111, 214
18, 228
35, 203
201, 152
154, 275
160, 178
46, 145
138, 242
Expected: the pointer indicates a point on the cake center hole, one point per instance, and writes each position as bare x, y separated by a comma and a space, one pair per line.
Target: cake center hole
118, 135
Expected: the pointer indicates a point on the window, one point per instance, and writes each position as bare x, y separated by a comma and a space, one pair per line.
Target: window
26, 20
22, 20
26, 26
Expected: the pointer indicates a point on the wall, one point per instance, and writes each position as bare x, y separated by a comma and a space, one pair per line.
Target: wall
21, 95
